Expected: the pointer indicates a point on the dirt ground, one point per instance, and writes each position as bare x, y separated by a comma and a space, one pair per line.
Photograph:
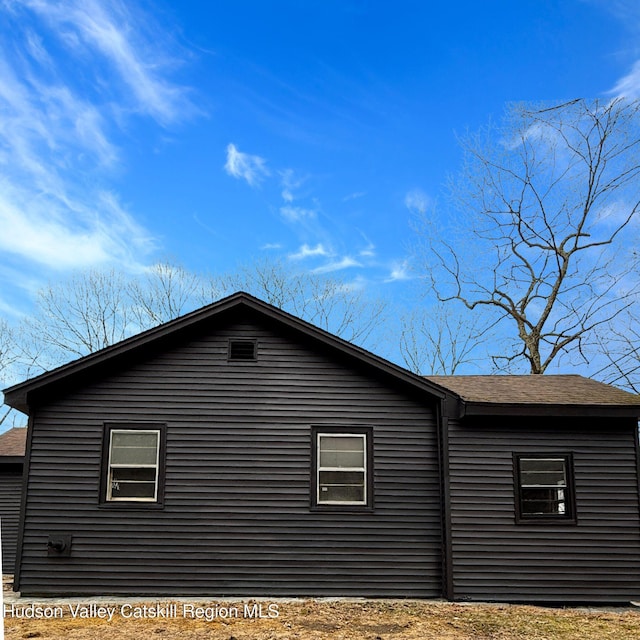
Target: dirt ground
184, 619
314, 619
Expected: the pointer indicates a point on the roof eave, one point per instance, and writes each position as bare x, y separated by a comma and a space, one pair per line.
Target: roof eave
16, 400
469, 408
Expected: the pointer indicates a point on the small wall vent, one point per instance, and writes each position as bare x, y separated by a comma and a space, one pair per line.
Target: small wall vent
59, 545
242, 350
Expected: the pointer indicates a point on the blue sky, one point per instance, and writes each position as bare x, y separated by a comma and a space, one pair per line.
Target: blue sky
213, 133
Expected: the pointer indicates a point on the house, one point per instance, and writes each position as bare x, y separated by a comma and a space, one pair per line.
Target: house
240, 451
12, 446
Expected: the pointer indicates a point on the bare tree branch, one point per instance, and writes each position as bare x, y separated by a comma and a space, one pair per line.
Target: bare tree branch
95, 309
333, 304
440, 341
167, 291
543, 205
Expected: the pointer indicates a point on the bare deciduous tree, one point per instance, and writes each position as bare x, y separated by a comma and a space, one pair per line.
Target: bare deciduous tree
328, 302
78, 316
543, 205
95, 309
620, 349
166, 291
440, 341
8, 356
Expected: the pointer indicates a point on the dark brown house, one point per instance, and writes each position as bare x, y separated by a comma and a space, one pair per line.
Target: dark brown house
239, 451
12, 446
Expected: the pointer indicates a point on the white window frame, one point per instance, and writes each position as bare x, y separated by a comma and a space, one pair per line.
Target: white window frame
156, 466
363, 469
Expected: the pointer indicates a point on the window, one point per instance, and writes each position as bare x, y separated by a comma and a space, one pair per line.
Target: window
133, 457
342, 474
544, 487
242, 350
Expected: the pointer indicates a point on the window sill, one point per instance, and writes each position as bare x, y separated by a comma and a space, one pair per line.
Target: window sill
336, 508
544, 520
129, 506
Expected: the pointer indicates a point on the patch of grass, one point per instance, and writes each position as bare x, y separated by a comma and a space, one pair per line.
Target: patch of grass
349, 620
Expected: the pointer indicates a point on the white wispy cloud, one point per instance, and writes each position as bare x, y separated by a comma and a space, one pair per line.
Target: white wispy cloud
59, 122
370, 250
44, 233
629, 85
36, 49
290, 182
296, 214
538, 133
614, 214
417, 201
244, 166
344, 263
128, 43
354, 196
271, 246
627, 13
357, 284
306, 251
399, 271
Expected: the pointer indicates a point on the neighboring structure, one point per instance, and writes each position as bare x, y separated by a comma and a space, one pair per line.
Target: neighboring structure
239, 451
12, 446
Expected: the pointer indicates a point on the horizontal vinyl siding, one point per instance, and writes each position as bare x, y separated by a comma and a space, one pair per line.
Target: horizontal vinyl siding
236, 517
597, 559
10, 497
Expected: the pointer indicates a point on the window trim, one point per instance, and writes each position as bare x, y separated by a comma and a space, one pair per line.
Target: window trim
569, 517
105, 471
367, 434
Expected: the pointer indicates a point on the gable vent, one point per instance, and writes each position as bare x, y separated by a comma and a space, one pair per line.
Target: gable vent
242, 350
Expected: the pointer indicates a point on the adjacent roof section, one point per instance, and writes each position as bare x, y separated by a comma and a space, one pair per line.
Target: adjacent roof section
13, 442
538, 394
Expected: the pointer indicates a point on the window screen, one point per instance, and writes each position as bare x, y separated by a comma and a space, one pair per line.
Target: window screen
544, 487
342, 468
133, 465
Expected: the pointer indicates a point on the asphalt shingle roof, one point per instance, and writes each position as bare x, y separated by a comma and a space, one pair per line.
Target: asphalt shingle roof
536, 389
13, 442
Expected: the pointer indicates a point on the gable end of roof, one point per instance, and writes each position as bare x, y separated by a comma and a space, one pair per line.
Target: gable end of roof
20, 396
